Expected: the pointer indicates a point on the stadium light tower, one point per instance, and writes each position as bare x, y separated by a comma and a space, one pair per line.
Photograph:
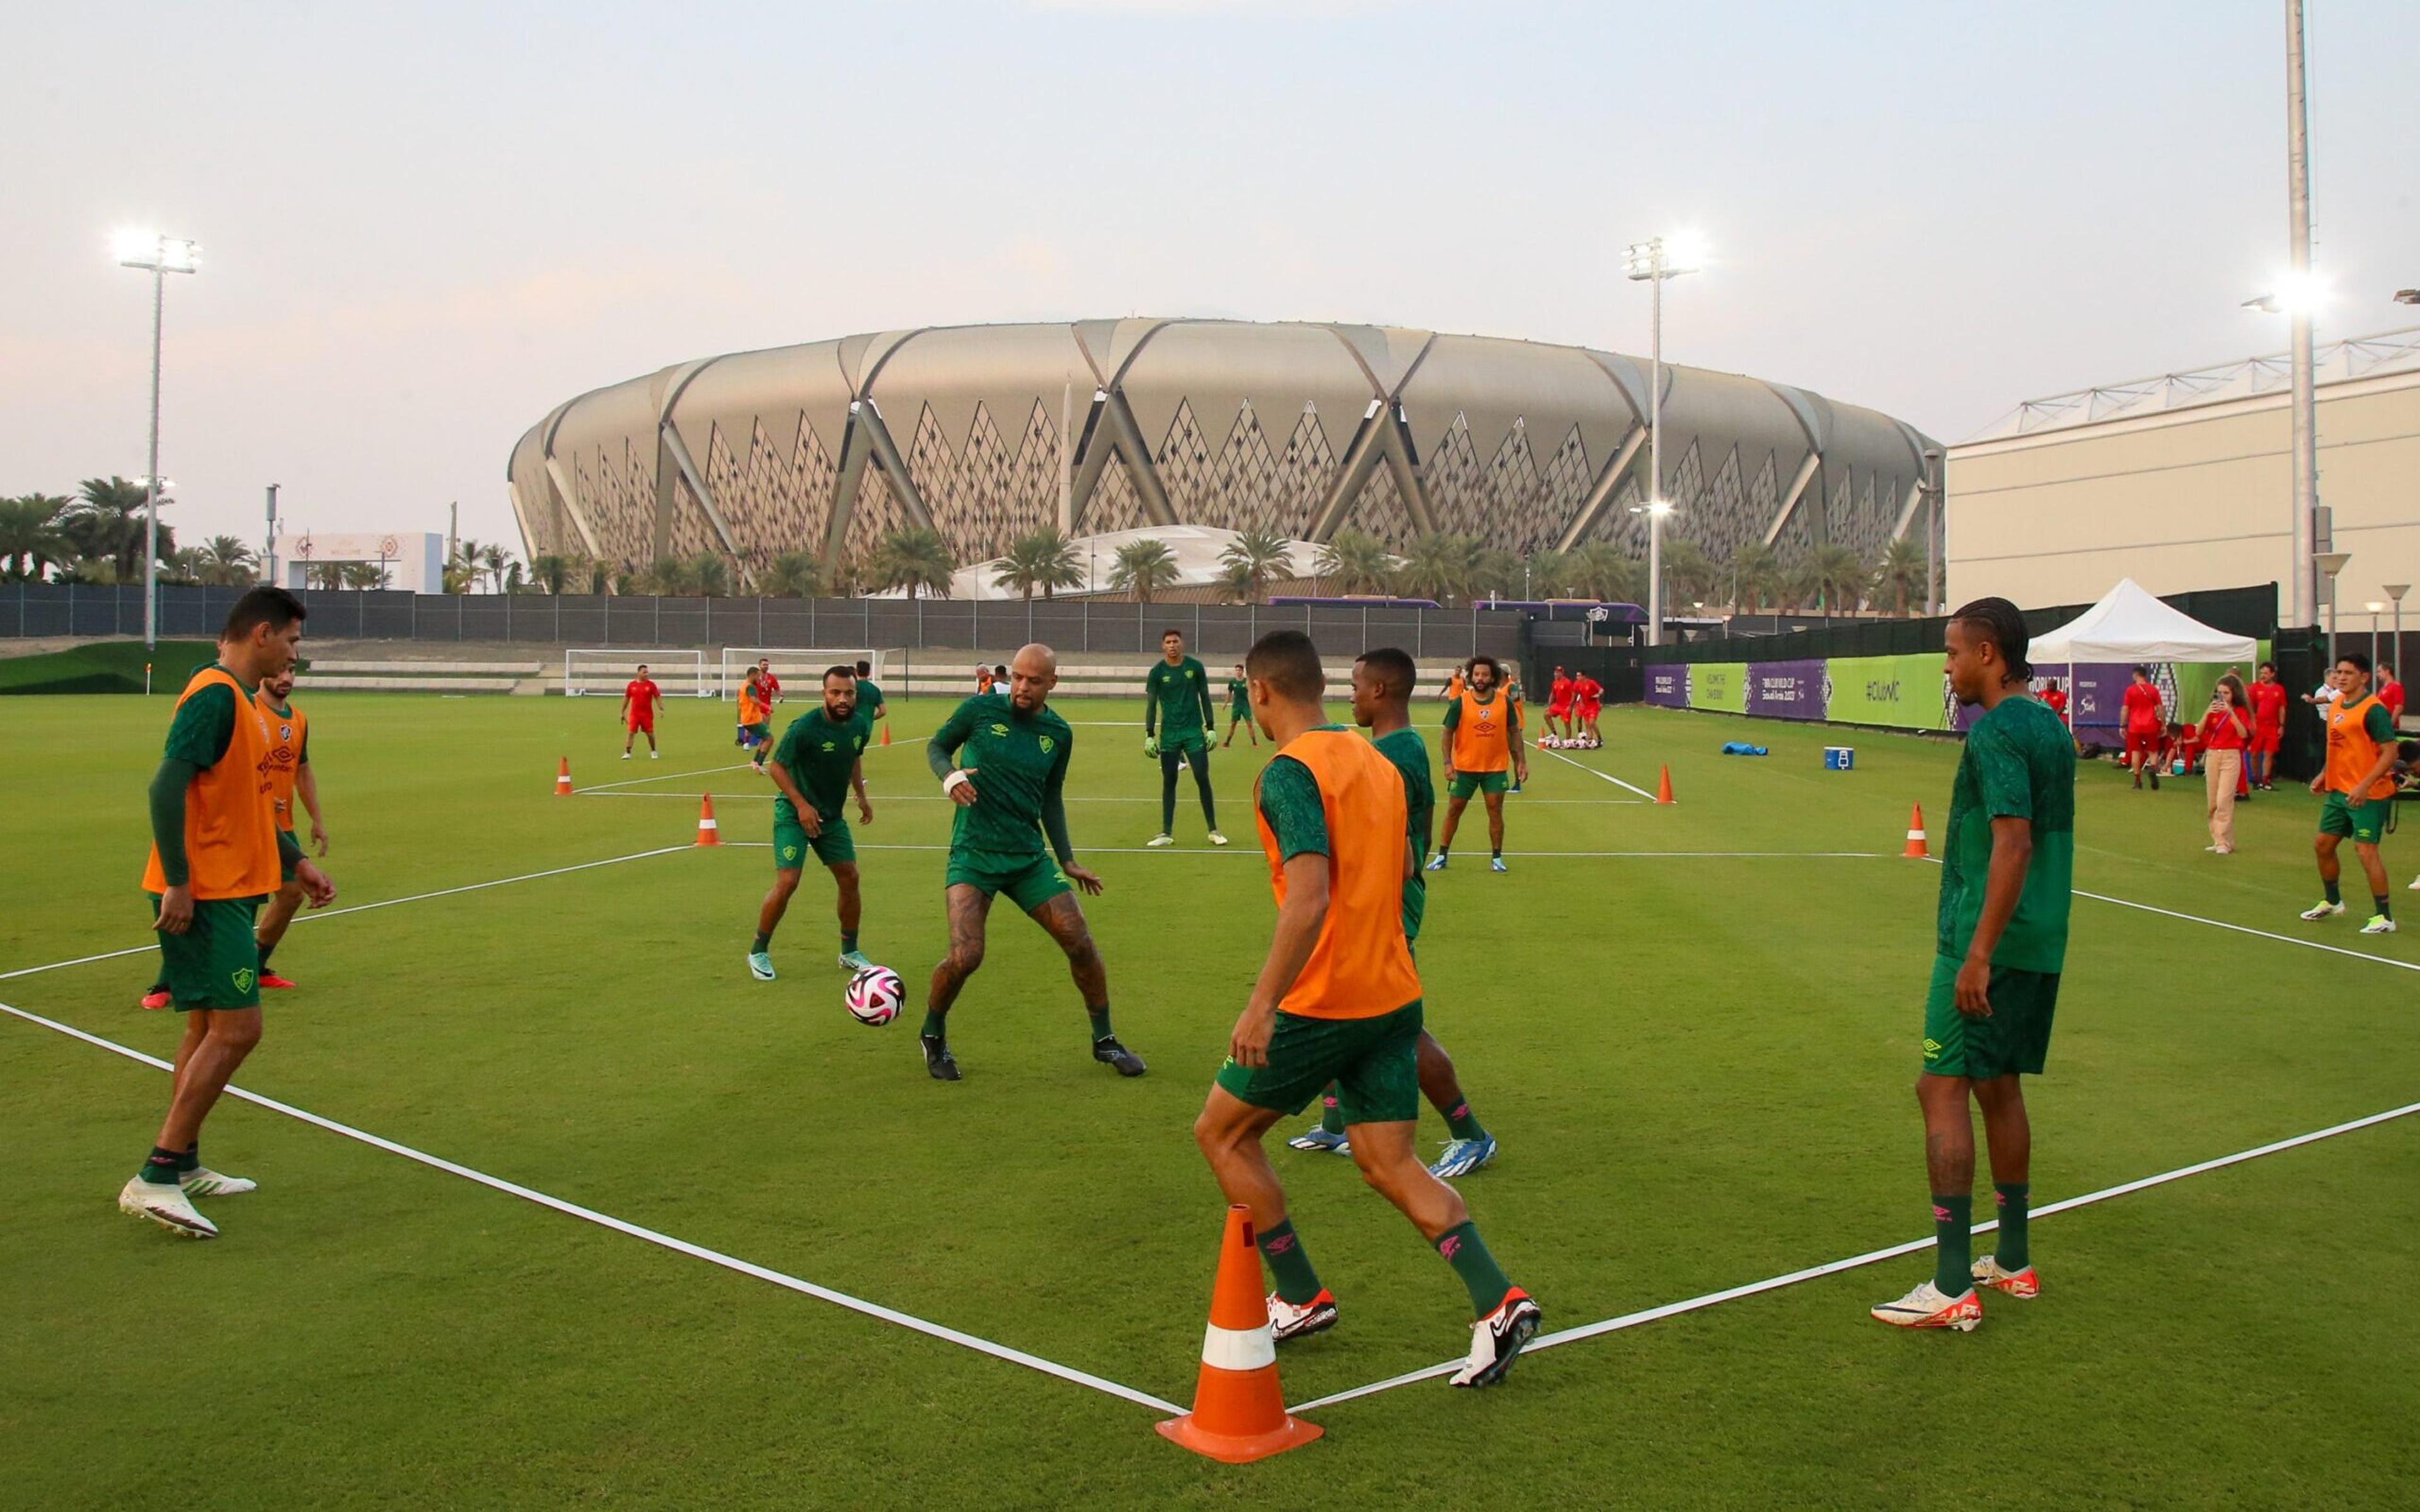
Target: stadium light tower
1652, 262
159, 255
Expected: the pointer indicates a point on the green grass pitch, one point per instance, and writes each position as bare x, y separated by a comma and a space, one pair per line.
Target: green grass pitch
1698, 1062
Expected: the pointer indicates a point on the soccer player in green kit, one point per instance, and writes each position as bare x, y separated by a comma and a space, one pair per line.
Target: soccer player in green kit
1240, 709
1177, 718
1382, 704
815, 767
2000, 944
1003, 759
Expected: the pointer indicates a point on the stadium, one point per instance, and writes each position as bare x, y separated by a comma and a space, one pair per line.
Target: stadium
984, 432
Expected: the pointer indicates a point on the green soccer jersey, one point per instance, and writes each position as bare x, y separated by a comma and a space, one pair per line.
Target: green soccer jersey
1180, 697
1410, 754
819, 752
869, 699
2019, 764
1239, 699
1019, 761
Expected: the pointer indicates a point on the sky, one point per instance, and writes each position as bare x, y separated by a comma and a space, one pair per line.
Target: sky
425, 226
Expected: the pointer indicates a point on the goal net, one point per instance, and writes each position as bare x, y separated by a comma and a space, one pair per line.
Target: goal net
679, 673
799, 668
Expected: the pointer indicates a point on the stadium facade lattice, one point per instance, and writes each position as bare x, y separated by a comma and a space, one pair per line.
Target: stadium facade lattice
986, 432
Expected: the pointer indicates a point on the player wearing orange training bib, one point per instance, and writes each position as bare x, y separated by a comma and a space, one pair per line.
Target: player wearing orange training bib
1482, 740
1337, 1001
290, 777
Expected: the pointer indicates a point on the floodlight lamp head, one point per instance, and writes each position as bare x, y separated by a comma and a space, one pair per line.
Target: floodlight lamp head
154, 251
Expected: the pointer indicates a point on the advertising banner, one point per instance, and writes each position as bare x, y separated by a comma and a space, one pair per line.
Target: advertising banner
1902, 692
1667, 685
1721, 685
1786, 690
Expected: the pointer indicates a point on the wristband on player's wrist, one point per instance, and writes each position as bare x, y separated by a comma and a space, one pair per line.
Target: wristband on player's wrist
950, 784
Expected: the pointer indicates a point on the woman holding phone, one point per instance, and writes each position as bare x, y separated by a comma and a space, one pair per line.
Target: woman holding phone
2224, 731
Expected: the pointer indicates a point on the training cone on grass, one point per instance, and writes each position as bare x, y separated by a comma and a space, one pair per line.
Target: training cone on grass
563, 778
1238, 1411
886, 732
706, 833
1916, 847
1663, 786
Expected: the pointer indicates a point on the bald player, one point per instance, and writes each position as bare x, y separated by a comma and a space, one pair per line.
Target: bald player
1003, 759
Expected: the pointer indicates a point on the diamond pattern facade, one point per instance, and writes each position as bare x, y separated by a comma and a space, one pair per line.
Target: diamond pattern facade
1243, 447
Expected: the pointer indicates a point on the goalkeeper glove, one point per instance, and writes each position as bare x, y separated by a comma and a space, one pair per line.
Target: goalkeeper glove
1151, 744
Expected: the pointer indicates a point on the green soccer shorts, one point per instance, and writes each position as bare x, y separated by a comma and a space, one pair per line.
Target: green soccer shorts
1374, 1063
1193, 743
761, 734
2013, 1041
286, 864
1466, 783
834, 845
2363, 823
215, 963
1029, 881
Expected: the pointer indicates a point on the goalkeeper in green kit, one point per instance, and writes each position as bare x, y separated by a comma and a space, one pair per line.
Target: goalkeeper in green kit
1177, 718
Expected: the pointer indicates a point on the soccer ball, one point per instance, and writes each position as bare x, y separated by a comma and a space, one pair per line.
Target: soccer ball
874, 996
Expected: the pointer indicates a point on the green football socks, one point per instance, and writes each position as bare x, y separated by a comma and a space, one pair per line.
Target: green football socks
847, 942
763, 943
2336, 894
1331, 1117
1461, 1124
2013, 1254
1463, 1250
2379, 897
266, 951
160, 1167
1953, 1244
1100, 1017
934, 1027
1297, 1283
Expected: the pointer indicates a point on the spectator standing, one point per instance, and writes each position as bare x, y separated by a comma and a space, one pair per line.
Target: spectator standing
2268, 697
2225, 730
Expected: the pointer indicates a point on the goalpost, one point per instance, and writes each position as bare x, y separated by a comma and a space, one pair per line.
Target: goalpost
796, 665
609, 670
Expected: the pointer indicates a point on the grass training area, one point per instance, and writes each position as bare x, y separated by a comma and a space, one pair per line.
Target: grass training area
558, 1205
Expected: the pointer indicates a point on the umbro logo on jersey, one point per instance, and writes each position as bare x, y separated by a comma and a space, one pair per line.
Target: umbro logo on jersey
1000, 731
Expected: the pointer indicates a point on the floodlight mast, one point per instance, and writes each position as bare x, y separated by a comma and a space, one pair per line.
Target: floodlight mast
2298, 195
1652, 262
158, 254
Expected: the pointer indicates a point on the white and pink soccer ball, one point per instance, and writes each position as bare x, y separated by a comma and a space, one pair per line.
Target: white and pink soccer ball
875, 996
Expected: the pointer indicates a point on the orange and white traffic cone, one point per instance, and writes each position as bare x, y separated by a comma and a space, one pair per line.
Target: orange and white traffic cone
706, 833
1664, 785
1238, 1411
1916, 847
563, 779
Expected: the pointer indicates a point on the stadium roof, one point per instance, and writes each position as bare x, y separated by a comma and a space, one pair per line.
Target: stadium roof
2358, 357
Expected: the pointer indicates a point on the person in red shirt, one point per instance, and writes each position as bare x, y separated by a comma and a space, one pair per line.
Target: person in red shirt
1559, 704
2390, 692
2268, 698
2225, 730
1588, 702
2145, 726
641, 698
772, 683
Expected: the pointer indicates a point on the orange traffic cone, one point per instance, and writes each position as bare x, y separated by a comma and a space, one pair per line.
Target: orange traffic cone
563, 779
886, 732
706, 833
1238, 1412
1915, 849
1663, 786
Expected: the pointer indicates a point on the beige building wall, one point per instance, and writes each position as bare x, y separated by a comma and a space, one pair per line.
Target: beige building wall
2190, 497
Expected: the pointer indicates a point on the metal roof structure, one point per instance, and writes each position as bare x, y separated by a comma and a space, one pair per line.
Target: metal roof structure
2357, 357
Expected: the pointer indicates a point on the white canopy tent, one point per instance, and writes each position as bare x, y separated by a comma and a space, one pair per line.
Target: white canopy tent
2130, 626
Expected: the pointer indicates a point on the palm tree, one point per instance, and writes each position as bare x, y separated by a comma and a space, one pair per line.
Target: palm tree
1145, 567
1755, 572
671, 578
1233, 583
795, 574
30, 537
1495, 573
1598, 570
1690, 572
98, 571
1041, 559
360, 575
493, 558
107, 519
916, 559
550, 572
227, 561
1355, 561
1837, 577
711, 574
1435, 566
187, 567
1259, 553
462, 571
1900, 574
1548, 576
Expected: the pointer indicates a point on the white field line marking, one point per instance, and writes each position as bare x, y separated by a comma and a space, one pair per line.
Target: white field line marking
681, 1246
364, 908
710, 771
938, 797
1205, 851
1594, 772
1672, 1309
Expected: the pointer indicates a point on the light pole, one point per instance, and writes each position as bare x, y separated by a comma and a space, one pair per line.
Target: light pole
2332, 562
1652, 261
2298, 211
2375, 609
1932, 530
159, 255
2396, 591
